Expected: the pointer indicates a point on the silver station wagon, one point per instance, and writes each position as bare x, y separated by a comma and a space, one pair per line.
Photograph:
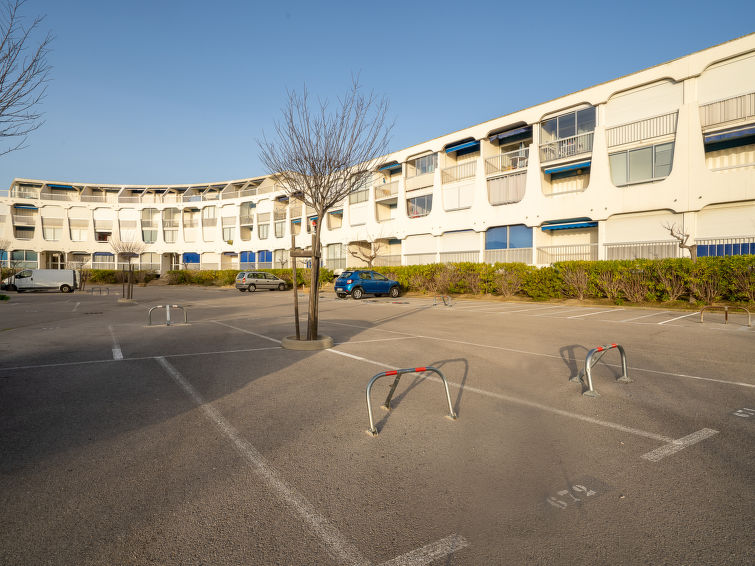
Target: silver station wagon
253, 280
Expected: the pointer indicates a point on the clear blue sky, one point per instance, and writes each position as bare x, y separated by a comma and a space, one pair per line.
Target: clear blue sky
176, 91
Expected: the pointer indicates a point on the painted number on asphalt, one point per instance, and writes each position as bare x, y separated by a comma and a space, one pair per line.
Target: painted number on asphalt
744, 413
578, 493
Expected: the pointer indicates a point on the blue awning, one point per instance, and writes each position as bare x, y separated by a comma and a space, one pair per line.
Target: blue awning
570, 226
314, 217
730, 135
336, 212
513, 135
296, 221
28, 206
390, 166
570, 167
232, 254
190, 257
103, 254
64, 187
464, 145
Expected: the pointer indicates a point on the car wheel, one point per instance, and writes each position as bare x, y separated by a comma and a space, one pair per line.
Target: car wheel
65, 289
357, 293
12, 287
252, 288
282, 287
394, 292
341, 295
242, 290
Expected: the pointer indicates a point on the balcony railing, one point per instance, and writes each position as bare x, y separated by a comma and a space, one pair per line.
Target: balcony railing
245, 219
211, 196
642, 250
458, 172
20, 193
248, 192
229, 195
279, 214
170, 224
23, 234
420, 181
421, 259
509, 161
566, 147
68, 196
24, 220
129, 199
511, 255
642, 129
387, 190
460, 257
191, 198
335, 263
729, 110
575, 252
208, 222
387, 260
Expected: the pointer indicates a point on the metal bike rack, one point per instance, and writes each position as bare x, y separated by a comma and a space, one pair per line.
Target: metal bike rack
398, 373
99, 290
590, 361
445, 299
726, 313
167, 313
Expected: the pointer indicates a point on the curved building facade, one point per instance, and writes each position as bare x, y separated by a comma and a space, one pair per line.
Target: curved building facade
598, 174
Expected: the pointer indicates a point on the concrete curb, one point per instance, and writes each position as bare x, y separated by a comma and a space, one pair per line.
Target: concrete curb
321, 343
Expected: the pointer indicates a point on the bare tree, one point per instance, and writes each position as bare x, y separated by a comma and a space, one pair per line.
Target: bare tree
4, 246
366, 254
129, 249
679, 235
323, 154
24, 73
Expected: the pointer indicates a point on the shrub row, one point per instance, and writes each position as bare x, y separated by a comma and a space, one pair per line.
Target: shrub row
116, 276
710, 279
228, 276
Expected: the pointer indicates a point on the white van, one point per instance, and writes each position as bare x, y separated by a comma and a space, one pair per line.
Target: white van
36, 279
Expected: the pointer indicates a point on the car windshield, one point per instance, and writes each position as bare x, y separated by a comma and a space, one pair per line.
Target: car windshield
240, 276
345, 274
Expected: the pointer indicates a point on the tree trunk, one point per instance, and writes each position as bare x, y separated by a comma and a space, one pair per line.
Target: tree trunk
314, 283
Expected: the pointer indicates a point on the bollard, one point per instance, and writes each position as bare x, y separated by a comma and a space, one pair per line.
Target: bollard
167, 314
590, 362
726, 312
398, 373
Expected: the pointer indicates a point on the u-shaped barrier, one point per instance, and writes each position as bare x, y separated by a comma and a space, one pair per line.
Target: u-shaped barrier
398, 373
591, 360
445, 299
167, 313
99, 290
726, 312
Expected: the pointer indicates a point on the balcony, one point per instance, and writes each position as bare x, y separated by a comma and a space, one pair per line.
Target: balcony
575, 252
191, 198
735, 109
640, 130
566, 147
229, 195
24, 220
129, 198
464, 170
279, 214
246, 219
420, 181
247, 192
93, 198
509, 255
24, 193
509, 161
388, 190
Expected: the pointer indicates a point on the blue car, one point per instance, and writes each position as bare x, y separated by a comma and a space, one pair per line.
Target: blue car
357, 283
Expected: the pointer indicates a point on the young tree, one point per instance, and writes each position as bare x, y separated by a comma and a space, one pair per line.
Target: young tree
23, 74
321, 154
129, 249
368, 253
677, 233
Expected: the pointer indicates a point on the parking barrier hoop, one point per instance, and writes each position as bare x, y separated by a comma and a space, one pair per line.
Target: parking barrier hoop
726, 312
444, 298
398, 373
592, 359
167, 314
99, 290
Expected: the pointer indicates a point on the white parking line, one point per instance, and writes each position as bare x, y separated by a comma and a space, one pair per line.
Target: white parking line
555, 314
530, 310
643, 316
592, 313
336, 545
75, 307
679, 444
247, 331
678, 317
117, 354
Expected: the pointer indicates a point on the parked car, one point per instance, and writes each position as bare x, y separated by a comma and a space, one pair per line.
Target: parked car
358, 282
253, 280
66, 280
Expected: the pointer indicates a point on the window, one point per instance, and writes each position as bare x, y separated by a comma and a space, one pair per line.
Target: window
24, 259
228, 233
51, 233
641, 165
568, 125
508, 237
170, 236
264, 231
425, 164
419, 206
101, 236
280, 229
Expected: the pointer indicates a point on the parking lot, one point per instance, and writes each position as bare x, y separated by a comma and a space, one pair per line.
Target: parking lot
207, 443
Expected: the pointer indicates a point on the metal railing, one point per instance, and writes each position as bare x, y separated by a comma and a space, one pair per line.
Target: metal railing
591, 360
336, 263
742, 245
460, 257
464, 170
511, 255
726, 312
66, 196
387, 190
421, 259
398, 373
420, 181
660, 249
279, 214
246, 219
728, 110
387, 260
93, 198
575, 252
229, 195
24, 220
248, 192
654, 127
129, 199
24, 194
509, 161
191, 198
566, 147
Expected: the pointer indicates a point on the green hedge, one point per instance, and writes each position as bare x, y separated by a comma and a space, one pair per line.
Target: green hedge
710, 279
116, 276
223, 277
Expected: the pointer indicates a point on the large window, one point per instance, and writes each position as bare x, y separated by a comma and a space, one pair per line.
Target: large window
228, 233
51, 233
641, 165
508, 237
24, 259
425, 164
264, 231
568, 125
419, 206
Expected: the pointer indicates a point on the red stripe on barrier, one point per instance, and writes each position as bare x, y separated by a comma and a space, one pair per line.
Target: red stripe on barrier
420, 369
392, 372
599, 349
614, 345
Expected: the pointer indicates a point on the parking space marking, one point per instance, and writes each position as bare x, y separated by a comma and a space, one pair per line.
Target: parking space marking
375, 340
117, 354
75, 307
679, 444
535, 309
336, 545
678, 317
643, 316
247, 331
592, 313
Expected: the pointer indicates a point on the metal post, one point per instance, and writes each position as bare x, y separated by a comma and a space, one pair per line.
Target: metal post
167, 315
591, 360
296, 294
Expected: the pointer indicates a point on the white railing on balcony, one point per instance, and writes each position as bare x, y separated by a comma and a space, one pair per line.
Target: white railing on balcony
103, 265
129, 198
460, 257
246, 219
279, 214
191, 198
336, 263
659, 249
93, 198
648, 128
170, 224
21, 193
420, 259
511, 255
387, 260
552, 254
387, 190
23, 234
211, 196
248, 192
229, 220
207, 222
229, 195
566, 147
509, 161
67, 196
24, 220
728, 110
420, 181
458, 172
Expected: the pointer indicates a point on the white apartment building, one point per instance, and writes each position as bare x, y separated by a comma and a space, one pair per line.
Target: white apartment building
596, 174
